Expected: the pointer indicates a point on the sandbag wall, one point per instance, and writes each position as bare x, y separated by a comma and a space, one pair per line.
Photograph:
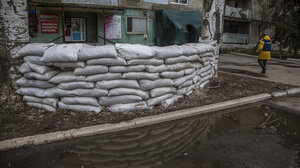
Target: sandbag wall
120, 77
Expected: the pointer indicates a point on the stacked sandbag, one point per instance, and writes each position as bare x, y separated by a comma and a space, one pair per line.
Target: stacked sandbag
121, 77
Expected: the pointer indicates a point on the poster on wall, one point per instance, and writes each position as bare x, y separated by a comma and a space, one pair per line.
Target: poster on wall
49, 23
112, 26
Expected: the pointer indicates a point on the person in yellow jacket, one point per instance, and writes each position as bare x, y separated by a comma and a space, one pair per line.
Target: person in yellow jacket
264, 52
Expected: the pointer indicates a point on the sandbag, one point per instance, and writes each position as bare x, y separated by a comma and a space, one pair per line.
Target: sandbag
129, 107
204, 83
91, 70
128, 91
202, 47
140, 75
41, 69
57, 92
203, 74
185, 90
188, 50
207, 54
171, 100
197, 65
107, 61
167, 52
134, 51
150, 84
76, 85
186, 84
194, 58
177, 60
34, 83
181, 66
151, 61
62, 53
106, 76
37, 76
62, 105
36, 92
64, 77
180, 81
196, 79
160, 68
69, 64
35, 60
34, 49
118, 84
162, 91
172, 74
189, 71
80, 100
157, 100
94, 52
24, 68
108, 101
48, 101
41, 106
117, 69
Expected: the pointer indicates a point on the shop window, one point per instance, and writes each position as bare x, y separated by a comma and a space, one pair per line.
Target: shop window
75, 29
179, 2
136, 25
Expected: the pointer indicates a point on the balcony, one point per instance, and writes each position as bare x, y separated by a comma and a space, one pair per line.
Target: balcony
235, 38
238, 13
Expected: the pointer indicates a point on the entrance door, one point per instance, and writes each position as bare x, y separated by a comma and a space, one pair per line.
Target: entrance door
78, 29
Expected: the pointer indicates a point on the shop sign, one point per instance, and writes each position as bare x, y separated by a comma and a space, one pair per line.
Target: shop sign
93, 2
49, 23
112, 26
157, 1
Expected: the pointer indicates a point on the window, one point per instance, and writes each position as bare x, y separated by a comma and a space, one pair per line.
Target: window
75, 29
136, 25
179, 2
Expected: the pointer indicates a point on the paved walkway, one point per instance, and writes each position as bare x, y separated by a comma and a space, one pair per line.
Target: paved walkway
282, 71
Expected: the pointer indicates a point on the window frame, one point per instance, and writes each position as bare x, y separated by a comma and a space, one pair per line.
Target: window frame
175, 3
140, 17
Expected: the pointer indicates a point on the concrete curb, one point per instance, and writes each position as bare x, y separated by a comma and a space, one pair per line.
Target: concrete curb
135, 123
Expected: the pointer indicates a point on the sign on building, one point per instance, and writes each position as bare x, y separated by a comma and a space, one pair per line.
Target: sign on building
49, 23
93, 2
112, 26
157, 1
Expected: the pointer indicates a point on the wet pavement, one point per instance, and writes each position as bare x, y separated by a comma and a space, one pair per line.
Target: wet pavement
281, 71
249, 136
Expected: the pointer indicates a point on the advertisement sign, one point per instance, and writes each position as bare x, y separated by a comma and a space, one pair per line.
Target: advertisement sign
112, 26
49, 23
93, 2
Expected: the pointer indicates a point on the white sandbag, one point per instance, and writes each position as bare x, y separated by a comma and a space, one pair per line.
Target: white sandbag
180, 81
194, 58
80, 100
207, 54
196, 79
157, 100
197, 65
106, 76
160, 68
117, 69
134, 51
94, 52
41, 69
186, 84
128, 91
32, 91
202, 47
24, 68
204, 69
189, 92
62, 105
162, 91
35, 60
175, 60
108, 101
167, 52
62, 53
188, 50
89, 92
189, 71
107, 61
203, 74
150, 84
118, 84
34, 83
129, 107
91, 70
76, 85
34, 49
171, 100
37, 76
140, 75
49, 101
41, 106
181, 66
204, 84
172, 74
185, 90
64, 77
206, 59
69, 64
151, 61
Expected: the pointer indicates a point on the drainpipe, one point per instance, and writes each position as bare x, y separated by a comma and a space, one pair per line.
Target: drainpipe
63, 23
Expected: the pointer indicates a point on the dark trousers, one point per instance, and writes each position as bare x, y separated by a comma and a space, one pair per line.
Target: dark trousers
263, 64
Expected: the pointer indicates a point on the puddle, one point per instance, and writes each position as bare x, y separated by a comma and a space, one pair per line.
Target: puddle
192, 142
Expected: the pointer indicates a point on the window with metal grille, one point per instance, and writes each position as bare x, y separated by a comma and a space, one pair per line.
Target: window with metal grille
136, 25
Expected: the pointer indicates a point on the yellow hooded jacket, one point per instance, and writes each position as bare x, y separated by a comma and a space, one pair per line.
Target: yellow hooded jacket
263, 55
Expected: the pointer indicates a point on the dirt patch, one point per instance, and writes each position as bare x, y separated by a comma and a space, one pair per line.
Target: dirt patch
18, 120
